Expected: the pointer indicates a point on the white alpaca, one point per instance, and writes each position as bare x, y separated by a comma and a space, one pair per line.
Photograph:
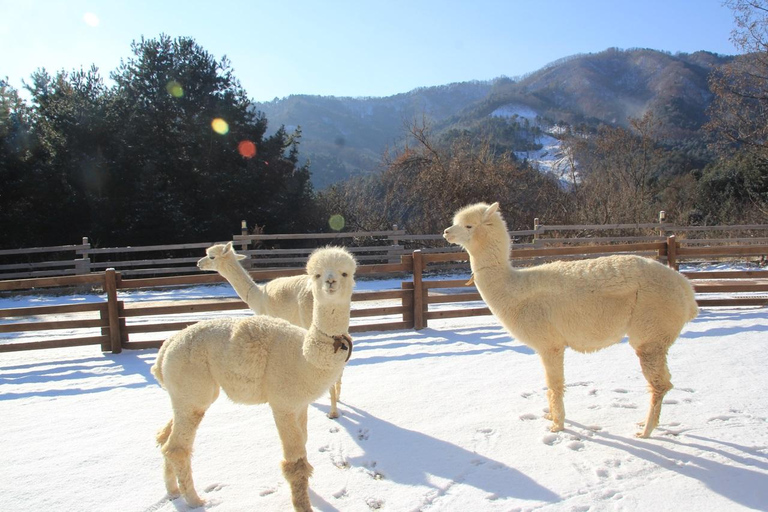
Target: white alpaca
586, 305
289, 298
258, 360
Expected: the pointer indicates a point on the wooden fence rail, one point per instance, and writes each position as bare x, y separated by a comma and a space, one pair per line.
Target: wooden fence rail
281, 251
115, 324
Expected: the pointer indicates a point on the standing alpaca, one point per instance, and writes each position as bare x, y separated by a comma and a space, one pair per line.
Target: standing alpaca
289, 298
585, 305
258, 360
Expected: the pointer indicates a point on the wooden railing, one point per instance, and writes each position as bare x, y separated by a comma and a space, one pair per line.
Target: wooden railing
281, 251
115, 324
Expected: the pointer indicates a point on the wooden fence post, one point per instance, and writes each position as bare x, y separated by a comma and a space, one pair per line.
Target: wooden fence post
394, 256
419, 322
672, 252
110, 287
535, 231
83, 265
246, 263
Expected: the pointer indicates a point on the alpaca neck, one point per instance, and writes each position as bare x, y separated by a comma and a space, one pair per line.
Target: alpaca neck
493, 256
328, 320
493, 274
244, 286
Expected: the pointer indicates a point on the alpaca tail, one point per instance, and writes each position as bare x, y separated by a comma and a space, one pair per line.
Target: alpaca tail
157, 368
690, 299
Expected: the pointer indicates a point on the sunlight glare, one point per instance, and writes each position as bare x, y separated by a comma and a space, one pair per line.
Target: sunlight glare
91, 19
247, 149
174, 89
220, 126
336, 222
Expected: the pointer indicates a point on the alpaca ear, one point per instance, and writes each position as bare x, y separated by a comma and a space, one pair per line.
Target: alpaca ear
228, 247
490, 211
240, 257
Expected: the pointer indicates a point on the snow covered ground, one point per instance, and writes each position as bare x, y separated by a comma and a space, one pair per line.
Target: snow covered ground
444, 419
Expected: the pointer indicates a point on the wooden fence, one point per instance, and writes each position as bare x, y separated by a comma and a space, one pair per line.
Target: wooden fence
115, 324
283, 251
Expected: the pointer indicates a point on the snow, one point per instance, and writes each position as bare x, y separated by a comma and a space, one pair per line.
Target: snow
552, 157
448, 418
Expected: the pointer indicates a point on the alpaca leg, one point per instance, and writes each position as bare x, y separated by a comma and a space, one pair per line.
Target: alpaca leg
292, 428
653, 361
553, 361
178, 453
171, 484
335, 394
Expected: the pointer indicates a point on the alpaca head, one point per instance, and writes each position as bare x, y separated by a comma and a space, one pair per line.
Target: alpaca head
478, 227
218, 254
332, 273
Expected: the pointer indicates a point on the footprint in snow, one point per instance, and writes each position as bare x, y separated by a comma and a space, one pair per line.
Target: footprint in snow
551, 439
486, 432
362, 434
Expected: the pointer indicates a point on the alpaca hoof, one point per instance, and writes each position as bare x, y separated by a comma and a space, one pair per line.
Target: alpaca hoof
333, 415
556, 428
548, 416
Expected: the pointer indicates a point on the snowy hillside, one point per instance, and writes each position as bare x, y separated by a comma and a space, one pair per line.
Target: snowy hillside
444, 419
551, 158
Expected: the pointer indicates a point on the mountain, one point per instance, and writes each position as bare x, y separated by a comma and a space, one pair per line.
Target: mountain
342, 137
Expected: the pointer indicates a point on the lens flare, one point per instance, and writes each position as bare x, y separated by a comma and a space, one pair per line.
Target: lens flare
247, 149
91, 19
336, 222
220, 126
174, 89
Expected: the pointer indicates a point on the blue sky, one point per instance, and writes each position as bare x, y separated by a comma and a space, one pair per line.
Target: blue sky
355, 48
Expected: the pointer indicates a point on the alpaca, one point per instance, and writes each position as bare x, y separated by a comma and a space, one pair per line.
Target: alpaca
289, 298
585, 305
255, 360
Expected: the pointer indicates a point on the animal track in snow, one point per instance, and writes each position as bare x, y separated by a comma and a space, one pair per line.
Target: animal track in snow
214, 487
624, 405
620, 390
374, 503
576, 446
528, 417
551, 439
362, 434
722, 417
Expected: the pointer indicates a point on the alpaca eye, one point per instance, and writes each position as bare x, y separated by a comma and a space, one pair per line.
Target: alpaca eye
344, 274
212, 257
468, 227
317, 276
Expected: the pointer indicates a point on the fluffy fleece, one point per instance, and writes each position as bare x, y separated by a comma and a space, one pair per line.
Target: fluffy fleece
258, 360
289, 298
586, 305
